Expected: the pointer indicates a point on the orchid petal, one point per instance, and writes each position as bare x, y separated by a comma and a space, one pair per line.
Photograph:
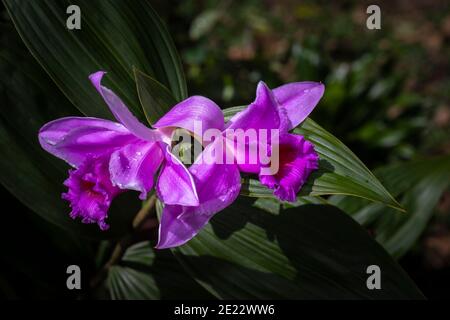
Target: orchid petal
297, 159
187, 112
175, 184
73, 139
54, 131
246, 153
263, 113
299, 99
90, 191
218, 185
134, 166
121, 112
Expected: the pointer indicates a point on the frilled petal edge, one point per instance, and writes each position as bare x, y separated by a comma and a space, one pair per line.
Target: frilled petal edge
297, 159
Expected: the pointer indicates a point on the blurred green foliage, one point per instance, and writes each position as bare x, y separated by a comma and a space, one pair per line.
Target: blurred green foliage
387, 91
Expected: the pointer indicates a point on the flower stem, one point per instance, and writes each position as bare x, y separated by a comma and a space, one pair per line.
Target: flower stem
141, 219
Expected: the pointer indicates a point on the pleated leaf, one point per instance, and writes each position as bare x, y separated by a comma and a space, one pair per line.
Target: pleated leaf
340, 170
155, 99
115, 35
145, 274
307, 252
420, 184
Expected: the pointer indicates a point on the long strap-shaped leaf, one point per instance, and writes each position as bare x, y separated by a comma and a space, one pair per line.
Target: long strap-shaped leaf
115, 35
146, 274
308, 252
420, 183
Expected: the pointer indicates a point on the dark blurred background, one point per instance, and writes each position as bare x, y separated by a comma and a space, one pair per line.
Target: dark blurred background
387, 97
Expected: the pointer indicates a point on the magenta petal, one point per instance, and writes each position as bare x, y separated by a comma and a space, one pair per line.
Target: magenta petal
263, 113
54, 131
297, 159
121, 112
246, 155
299, 99
90, 191
175, 184
196, 108
133, 167
73, 139
218, 185
175, 231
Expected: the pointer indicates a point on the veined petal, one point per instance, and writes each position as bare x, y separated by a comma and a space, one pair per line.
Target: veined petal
187, 112
297, 159
134, 166
299, 99
218, 185
121, 112
73, 139
175, 184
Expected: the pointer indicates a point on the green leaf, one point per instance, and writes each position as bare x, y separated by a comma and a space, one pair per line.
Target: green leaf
155, 99
308, 252
340, 170
274, 206
115, 35
421, 184
146, 274
28, 172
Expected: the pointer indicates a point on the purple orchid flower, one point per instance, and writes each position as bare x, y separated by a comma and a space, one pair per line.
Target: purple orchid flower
110, 157
218, 184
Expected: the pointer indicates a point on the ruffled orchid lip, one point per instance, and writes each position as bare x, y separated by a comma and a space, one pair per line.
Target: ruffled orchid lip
90, 192
298, 159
